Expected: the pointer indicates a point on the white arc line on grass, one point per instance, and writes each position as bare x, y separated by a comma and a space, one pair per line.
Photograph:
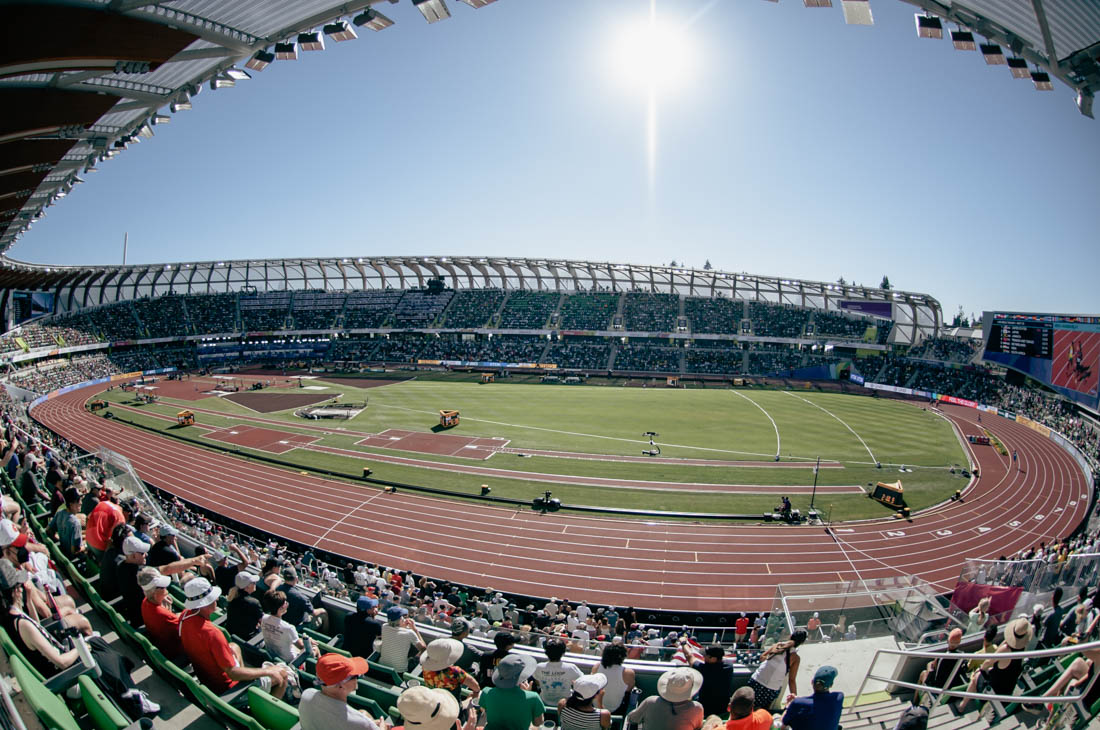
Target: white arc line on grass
815, 405
750, 400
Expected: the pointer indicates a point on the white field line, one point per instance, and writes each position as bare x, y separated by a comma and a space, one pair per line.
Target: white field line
778, 443
336, 524
825, 410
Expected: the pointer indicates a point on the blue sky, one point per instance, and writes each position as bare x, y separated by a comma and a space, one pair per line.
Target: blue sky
798, 146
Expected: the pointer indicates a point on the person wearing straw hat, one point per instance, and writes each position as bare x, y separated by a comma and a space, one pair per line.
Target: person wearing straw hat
578, 711
423, 708
819, 711
440, 671
218, 663
327, 708
673, 707
1000, 673
508, 705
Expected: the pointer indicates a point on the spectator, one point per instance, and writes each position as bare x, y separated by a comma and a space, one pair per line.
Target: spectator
617, 693
441, 672
978, 616
503, 641
164, 550
134, 550
1000, 673
940, 671
821, 710
224, 573
741, 628
507, 704
327, 708
578, 711
161, 623
554, 677
110, 558
1052, 635
778, 662
460, 630
66, 525
218, 663
281, 639
243, 613
672, 708
429, 709
717, 681
989, 645
399, 634
300, 612
101, 522
362, 629
742, 714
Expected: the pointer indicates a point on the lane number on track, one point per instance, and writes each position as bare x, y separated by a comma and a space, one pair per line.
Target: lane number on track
1073, 503
1057, 510
943, 533
982, 530
894, 533
1014, 523
1039, 517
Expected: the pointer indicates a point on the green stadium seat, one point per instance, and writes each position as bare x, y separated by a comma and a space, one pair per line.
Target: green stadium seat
218, 708
386, 696
48, 707
101, 710
272, 713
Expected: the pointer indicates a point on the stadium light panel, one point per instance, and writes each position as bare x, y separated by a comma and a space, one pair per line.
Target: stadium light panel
1084, 102
1018, 67
993, 54
1042, 81
236, 74
260, 61
432, 10
160, 119
929, 26
312, 41
221, 82
857, 12
145, 130
286, 51
475, 4
340, 31
818, 3
371, 18
181, 102
963, 40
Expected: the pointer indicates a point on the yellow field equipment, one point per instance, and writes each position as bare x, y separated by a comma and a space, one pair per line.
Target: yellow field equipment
448, 419
97, 405
185, 418
487, 377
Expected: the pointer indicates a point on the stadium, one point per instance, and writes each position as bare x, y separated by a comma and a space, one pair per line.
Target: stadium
662, 460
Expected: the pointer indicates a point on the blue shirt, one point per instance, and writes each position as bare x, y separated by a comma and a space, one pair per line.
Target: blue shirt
819, 711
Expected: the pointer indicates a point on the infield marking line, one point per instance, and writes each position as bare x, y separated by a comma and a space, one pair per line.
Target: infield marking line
778, 443
336, 524
842, 422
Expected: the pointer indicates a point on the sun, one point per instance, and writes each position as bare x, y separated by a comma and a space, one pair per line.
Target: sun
652, 55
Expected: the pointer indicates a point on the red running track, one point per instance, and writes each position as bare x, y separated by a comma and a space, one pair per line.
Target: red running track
660, 565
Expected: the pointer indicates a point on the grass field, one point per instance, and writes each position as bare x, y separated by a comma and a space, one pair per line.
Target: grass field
717, 424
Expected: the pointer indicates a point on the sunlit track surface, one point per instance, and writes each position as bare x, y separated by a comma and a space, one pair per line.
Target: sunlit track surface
662, 565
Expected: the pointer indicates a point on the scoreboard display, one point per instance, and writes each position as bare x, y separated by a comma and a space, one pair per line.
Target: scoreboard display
1061, 351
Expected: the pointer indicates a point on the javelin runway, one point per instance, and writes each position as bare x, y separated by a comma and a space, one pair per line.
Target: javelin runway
665, 565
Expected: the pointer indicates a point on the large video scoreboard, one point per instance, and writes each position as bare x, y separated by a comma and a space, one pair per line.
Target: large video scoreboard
1059, 350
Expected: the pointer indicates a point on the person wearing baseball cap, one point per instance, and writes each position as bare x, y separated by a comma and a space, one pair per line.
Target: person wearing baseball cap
673, 706
578, 711
161, 623
327, 708
821, 709
508, 703
243, 613
362, 629
399, 634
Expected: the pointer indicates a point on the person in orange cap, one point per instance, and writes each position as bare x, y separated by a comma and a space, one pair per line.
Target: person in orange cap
327, 708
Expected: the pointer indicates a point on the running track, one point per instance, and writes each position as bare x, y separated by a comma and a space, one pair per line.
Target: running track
663, 565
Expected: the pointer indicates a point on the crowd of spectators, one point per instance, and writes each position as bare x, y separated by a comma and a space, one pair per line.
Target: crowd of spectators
774, 362
579, 356
718, 316
317, 310
369, 309
947, 349
588, 311
44, 376
648, 358
110, 322
213, 313
528, 310
420, 307
473, 308
647, 312
523, 349
715, 360
164, 316
834, 324
264, 311
38, 336
777, 320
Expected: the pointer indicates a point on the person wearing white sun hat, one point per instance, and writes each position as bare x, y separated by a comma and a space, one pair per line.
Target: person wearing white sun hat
441, 672
673, 707
578, 711
423, 708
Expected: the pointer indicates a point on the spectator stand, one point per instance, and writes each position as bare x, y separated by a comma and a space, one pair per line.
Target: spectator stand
527, 310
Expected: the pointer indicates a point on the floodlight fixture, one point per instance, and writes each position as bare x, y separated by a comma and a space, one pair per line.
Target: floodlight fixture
1041, 80
857, 12
1018, 67
340, 31
993, 54
929, 26
1084, 102
818, 3
432, 10
475, 4
311, 41
260, 61
159, 119
963, 40
237, 74
372, 19
145, 130
221, 82
181, 102
286, 51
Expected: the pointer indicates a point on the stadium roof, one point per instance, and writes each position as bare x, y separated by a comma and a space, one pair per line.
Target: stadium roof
80, 80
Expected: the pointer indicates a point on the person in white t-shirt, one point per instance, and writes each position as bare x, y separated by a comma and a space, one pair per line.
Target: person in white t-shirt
583, 611
280, 638
555, 677
399, 633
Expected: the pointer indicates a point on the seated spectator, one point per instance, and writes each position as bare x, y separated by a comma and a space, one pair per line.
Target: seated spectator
940, 671
300, 611
441, 672
109, 560
66, 526
672, 708
717, 681
460, 630
47, 654
430, 709
620, 680
821, 710
362, 629
218, 663
555, 678
280, 638
101, 523
243, 613
399, 634
503, 641
161, 623
578, 711
1000, 673
507, 704
164, 550
133, 560
742, 714
327, 708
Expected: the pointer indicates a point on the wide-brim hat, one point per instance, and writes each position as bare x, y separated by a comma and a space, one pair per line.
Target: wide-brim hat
200, 593
425, 708
680, 684
513, 670
440, 654
1018, 633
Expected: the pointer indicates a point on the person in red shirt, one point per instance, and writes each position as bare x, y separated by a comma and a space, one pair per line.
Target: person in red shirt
741, 628
102, 520
161, 624
217, 662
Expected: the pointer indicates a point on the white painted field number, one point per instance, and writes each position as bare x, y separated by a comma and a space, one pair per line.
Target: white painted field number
943, 533
1014, 523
